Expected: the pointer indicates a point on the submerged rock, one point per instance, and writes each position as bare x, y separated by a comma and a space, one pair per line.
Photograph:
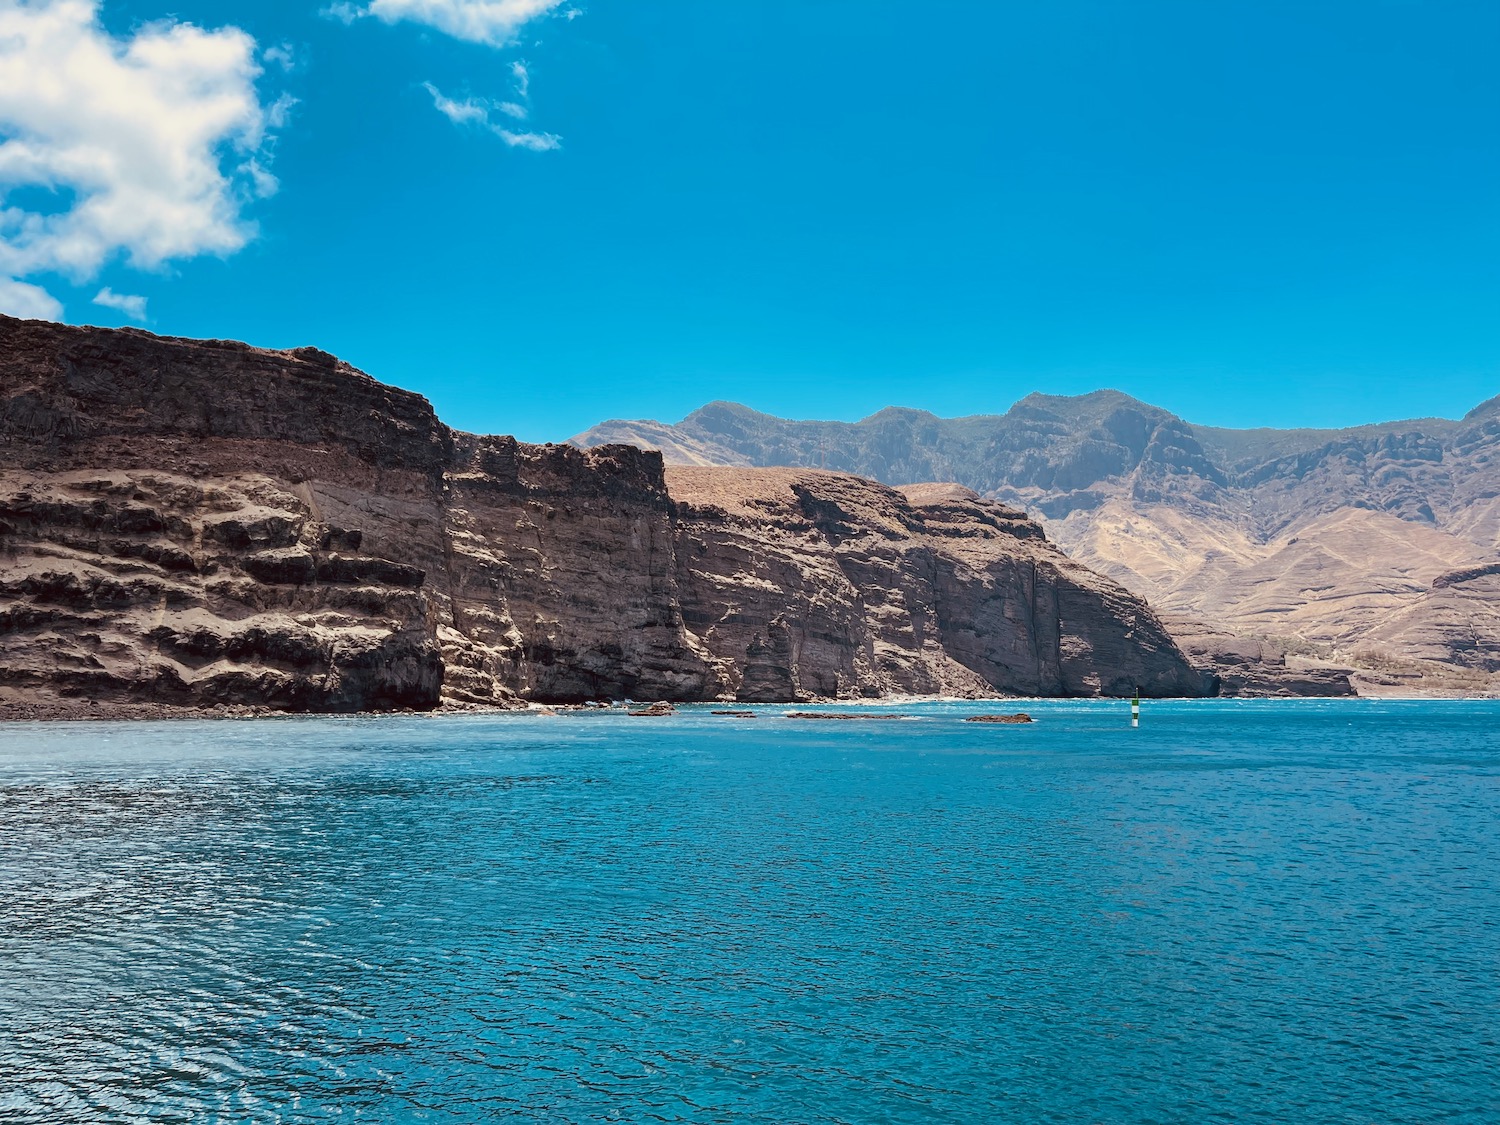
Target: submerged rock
841, 715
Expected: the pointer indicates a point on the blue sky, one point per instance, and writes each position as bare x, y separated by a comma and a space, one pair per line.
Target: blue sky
1251, 213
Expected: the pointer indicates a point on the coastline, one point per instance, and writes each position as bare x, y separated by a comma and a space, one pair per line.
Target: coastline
17, 711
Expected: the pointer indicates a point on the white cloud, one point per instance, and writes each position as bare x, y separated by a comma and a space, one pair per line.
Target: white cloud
536, 142
495, 22
459, 113
30, 302
476, 111
283, 55
144, 146
133, 307
343, 11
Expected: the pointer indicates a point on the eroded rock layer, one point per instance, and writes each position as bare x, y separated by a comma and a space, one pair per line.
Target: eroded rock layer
805, 584
1339, 542
197, 523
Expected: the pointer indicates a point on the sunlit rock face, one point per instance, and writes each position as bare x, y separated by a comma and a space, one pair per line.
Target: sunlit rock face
1329, 540
199, 523
819, 584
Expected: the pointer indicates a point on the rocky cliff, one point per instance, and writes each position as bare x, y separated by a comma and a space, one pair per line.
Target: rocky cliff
1326, 538
803, 583
199, 523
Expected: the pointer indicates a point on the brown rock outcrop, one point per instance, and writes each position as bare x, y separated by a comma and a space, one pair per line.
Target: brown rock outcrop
807, 584
1255, 666
199, 523
162, 539
560, 581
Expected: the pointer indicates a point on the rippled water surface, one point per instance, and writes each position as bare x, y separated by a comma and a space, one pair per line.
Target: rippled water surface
1242, 912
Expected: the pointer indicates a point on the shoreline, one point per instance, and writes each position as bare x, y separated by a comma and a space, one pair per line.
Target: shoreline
18, 712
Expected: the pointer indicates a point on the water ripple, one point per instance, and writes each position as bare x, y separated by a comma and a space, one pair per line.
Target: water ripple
1240, 913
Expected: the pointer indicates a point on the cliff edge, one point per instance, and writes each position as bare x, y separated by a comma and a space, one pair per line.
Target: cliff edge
194, 524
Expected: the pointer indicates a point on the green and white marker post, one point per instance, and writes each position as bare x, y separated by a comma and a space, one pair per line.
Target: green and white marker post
1135, 708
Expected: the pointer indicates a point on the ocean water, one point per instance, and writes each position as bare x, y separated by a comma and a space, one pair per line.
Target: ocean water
1241, 912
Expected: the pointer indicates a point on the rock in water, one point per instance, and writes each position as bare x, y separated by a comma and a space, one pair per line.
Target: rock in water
846, 715
199, 523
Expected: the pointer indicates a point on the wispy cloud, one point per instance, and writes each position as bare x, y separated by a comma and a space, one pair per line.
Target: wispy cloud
496, 23
131, 306
343, 11
476, 111
536, 142
283, 55
150, 144
460, 113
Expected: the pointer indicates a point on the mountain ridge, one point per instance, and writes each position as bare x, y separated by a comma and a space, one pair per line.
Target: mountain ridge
1330, 537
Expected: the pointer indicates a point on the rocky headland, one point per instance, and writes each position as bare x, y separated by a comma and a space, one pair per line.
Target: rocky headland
190, 525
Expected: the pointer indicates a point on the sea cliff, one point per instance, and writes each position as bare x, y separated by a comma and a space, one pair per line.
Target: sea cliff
196, 524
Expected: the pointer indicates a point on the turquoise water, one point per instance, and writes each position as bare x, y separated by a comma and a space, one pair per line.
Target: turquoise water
1241, 912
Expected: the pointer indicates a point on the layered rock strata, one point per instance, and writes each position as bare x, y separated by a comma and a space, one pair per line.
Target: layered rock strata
1340, 540
806, 584
200, 523
1257, 666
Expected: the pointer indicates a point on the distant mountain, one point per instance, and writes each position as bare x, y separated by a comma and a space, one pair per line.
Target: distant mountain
1369, 542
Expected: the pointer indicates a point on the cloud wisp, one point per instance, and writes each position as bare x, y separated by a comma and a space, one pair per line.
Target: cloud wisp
147, 147
492, 23
478, 111
131, 306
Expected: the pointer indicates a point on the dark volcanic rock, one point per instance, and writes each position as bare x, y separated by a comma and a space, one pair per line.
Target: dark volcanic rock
850, 715
204, 524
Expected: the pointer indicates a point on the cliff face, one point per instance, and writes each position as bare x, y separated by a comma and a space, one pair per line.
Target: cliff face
561, 579
163, 532
804, 583
1325, 536
198, 523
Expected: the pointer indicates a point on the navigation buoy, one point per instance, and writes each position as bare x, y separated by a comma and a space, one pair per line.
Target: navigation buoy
1135, 708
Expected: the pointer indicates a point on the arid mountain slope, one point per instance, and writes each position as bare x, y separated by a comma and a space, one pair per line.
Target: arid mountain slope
199, 523
1324, 535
